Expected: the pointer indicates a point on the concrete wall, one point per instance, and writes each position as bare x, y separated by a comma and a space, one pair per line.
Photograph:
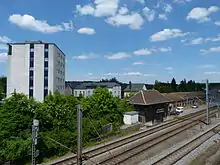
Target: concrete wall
18, 70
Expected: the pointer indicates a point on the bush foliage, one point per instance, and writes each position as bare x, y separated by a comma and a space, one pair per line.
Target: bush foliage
57, 117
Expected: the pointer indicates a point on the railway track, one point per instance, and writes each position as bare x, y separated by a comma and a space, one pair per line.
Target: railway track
184, 149
109, 146
135, 148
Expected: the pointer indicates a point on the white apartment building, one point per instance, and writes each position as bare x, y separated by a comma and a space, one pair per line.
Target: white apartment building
85, 89
35, 68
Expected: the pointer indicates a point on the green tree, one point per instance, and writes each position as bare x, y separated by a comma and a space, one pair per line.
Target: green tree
3, 83
16, 116
173, 85
57, 116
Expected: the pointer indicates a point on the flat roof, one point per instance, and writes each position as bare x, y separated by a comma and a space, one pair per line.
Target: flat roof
35, 42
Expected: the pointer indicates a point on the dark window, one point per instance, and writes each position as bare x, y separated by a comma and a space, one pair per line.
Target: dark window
45, 54
45, 63
45, 82
31, 63
45, 92
45, 73
31, 92
46, 46
31, 83
31, 73
9, 50
31, 46
31, 54
31, 58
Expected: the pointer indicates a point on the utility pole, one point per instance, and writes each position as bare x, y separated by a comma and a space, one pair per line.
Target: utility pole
35, 128
79, 134
207, 101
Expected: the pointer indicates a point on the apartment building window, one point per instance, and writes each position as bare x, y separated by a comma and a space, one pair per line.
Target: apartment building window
46, 64
31, 92
31, 70
31, 83
31, 54
83, 93
9, 50
45, 70
31, 73
89, 93
45, 92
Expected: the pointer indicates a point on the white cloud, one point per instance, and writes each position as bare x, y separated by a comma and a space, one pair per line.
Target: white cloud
5, 39
217, 23
133, 20
111, 74
167, 34
138, 63
85, 10
133, 74
213, 73
90, 74
162, 16
169, 49
196, 41
149, 14
169, 68
123, 10
118, 56
85, 57
211, 50
86, 30
99, 8
137, 74
200, 40
201, 14
128, 74
141, 1
68, 26
29, 22
144, 51
3, 47
3, 57
207, 66
168, 8
181, 1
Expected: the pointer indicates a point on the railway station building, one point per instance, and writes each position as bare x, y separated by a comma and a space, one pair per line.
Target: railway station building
151, 105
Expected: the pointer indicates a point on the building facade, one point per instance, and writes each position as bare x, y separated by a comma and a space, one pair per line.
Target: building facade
35, 68
86, 89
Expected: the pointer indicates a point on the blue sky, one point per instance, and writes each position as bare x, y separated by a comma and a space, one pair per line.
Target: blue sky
137, 40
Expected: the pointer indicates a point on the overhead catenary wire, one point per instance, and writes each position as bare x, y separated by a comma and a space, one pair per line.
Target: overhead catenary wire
89, 117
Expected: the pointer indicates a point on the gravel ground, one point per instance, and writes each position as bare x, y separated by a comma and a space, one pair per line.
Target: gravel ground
198, 151
174, 142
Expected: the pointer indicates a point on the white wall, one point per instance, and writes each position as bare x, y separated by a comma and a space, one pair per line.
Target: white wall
130, 118
116, 91
38, 72
59, 70
18, 65
18, 70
